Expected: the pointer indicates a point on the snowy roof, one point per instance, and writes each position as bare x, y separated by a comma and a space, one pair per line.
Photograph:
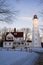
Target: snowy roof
9, 35
15, 34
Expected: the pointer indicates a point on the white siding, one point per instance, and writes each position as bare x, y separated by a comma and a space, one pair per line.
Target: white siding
8, 44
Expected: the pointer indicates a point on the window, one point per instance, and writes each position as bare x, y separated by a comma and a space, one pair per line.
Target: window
19, 43
5, 43
22, 43
9, 43
35, 38
9, 38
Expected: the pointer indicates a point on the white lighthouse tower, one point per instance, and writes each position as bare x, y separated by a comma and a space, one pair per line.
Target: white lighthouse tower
35, 33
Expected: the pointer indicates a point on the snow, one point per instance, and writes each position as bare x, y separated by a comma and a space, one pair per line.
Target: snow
39, 50
17, 58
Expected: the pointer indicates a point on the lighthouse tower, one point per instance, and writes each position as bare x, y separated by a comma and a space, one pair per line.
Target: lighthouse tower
35, 33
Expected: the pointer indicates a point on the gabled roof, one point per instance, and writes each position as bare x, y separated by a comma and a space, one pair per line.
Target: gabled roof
16, 34
9, 34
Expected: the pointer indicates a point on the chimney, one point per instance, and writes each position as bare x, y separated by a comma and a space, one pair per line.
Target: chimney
14, 29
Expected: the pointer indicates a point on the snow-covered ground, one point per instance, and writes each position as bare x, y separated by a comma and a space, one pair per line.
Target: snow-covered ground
18, 58
39, 50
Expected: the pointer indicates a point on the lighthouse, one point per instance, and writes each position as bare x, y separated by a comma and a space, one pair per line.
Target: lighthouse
35, 33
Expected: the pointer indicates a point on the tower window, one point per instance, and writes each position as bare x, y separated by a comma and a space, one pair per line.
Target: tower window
36, 39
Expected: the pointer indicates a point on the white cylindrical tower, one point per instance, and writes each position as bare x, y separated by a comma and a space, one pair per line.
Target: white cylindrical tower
35, 33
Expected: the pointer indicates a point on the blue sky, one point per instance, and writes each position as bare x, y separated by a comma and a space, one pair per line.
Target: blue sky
26, 8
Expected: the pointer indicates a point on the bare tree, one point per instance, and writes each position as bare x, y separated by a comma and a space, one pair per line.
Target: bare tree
41, 13
41, 7
6, 14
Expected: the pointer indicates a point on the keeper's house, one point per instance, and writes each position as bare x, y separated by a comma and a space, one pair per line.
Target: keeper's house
12, 39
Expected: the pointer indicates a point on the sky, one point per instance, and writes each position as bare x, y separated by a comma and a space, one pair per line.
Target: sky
26, 10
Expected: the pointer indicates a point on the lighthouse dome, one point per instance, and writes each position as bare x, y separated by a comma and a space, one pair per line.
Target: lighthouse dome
35, 17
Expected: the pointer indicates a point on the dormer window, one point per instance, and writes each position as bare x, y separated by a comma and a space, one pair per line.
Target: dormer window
9, 38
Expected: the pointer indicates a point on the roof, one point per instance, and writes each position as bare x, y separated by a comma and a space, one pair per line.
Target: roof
8, 40
16, 34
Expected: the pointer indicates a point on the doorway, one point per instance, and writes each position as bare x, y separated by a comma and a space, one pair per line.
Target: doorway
42, 44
